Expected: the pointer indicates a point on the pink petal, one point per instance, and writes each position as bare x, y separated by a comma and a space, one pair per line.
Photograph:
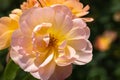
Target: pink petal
64, 61
62, 9
40, 43
44, 58
63, 23
35, 16
42, 28
21, 44
66, 56
76, 33
77, 22
63, 19
87, 30
25, 25
45, 72
66, 25
25, 62
61, 72
84, 56
62, 45
79, 44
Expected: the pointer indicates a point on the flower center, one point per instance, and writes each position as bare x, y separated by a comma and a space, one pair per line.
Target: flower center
53, 41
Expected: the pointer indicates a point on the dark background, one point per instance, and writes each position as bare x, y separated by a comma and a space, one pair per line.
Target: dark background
105, 64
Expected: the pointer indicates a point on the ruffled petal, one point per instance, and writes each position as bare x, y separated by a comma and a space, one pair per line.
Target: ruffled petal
44, 58
35, 16
78, 44
61, 72
45, 72
22, 44
76, 33
25, 62
84, 56
66, 56
77, 22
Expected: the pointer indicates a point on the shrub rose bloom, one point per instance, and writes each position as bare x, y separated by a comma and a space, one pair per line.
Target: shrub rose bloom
49, 41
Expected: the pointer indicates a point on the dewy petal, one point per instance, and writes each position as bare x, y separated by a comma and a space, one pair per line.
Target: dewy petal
45, 72
61, 72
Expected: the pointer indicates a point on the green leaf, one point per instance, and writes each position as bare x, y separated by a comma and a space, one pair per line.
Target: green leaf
10, 71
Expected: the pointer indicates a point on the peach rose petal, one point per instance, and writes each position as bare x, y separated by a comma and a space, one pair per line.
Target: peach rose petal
7, 27
45, 72
77, 33
84, 56
61, 72
79, 23
25, 62
87, 30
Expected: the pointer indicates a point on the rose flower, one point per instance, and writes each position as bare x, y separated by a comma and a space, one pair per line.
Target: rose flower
48, 41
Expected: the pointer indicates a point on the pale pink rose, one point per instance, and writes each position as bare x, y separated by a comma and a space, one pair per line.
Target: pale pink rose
49, 41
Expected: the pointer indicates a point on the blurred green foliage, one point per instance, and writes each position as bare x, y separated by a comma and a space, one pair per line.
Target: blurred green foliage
104, 66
